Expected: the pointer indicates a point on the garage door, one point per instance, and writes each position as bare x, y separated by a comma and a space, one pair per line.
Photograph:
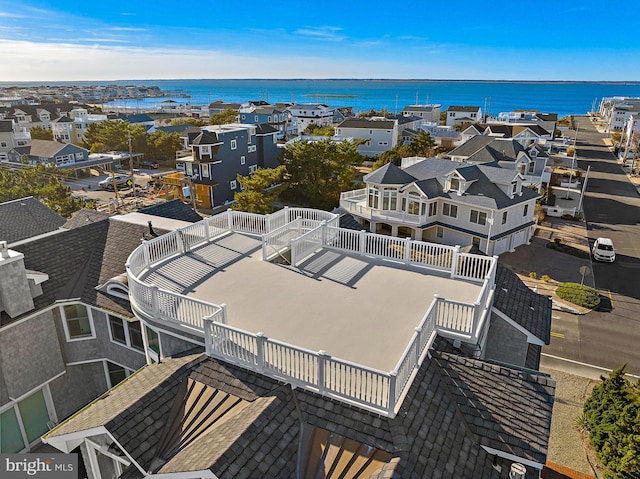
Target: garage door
520, 237
501, 246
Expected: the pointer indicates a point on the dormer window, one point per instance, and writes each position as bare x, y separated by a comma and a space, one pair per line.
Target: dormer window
454, 184
514, 187
522, 167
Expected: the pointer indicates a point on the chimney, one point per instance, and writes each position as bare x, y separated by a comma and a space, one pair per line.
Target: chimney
15, 294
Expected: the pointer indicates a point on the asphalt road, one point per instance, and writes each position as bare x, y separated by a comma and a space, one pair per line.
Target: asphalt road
609, 336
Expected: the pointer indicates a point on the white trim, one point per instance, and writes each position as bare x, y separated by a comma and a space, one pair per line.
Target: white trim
511, 457
531, 338
76, 438
133, 461
31, 391
127, 372
175, 335
63, 316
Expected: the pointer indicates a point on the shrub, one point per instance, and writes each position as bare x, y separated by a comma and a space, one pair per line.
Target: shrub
533, 275
581, 295
546, 278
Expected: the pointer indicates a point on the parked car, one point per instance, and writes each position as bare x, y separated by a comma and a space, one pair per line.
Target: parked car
154, 165
121, 181
603, 250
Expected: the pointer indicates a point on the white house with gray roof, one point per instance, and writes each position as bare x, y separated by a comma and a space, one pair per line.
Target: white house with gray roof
438, 200
463, 114
301, 116
380, 135
429, 112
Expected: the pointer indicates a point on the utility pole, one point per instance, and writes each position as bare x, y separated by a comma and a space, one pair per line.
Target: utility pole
584, 188
573, 161
133, 178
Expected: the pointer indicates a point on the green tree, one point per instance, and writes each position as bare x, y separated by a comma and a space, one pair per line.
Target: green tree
254, 197
316, 172
190, 121
389, 156
611, 415
39, 133
366, 114
222, 118
114, 135
43, 182
317, 130
422, 144
162, 145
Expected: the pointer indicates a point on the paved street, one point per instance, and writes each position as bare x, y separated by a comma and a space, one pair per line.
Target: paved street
610, 336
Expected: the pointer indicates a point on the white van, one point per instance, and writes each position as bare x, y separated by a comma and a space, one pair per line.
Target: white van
603, 250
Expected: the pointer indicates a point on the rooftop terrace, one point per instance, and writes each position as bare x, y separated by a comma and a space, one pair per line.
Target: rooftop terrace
352, 316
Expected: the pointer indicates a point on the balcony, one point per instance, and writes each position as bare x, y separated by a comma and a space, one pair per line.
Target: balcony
355, 202
351, 315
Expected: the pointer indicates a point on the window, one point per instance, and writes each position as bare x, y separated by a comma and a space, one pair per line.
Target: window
514, 187
374, 196
389, 199
205, 149
478, 217
135, 335
116, 326
532, 167
242, 160
234, 144
433, 208
77, 321
12, 441
383, 143
205, 171
189, 169
449, 210
454, 184
252, 148
255, 118
153, 340
440, 232
268, 119
252, 168
504, 218
526, 210
412, 204
242, 116
3, 144
233, 184
115, 373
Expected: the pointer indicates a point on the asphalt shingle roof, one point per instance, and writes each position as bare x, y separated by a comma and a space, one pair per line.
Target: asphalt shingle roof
367, 124
454, 406
84, 217
389, 174
530, 310
174, 209
26, 218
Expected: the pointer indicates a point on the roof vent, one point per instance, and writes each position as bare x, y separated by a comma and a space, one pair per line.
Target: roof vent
4, 251
518, 471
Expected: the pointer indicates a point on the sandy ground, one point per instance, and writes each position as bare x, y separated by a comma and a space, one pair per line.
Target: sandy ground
567, 446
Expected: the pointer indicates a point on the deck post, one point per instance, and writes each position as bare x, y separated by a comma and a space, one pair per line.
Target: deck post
260, 340
454, 260
224, 313
407, 250
206, 231
418, 348
363, 242
154, 301
393, 376
230, 219
322, 368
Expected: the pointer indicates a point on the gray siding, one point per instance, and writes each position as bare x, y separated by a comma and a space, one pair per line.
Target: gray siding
30, 355
80, 385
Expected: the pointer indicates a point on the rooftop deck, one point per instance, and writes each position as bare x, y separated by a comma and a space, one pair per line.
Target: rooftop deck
356, 308
352, 315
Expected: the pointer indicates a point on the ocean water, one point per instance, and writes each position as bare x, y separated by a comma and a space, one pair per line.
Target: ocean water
363, 95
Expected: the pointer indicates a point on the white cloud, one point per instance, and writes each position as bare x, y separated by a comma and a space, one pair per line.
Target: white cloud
127, 29
321, 33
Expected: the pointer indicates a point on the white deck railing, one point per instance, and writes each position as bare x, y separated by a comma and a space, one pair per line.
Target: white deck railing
306, 231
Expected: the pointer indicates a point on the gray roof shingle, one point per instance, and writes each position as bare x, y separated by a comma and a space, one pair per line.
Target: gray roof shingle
453, 406
26, 218
389, 174
174, 209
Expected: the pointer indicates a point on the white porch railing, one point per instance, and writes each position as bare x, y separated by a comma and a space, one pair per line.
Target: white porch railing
356, 202
306, 231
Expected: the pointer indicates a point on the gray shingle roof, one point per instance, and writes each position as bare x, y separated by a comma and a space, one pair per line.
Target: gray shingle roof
483, 192
530, 310
80, 259
84, 217
453, 406
6, 126
205, 138
42, 148
174, 209
26, 218
367, 124
472, 145
265, 129
388, 174
466, 109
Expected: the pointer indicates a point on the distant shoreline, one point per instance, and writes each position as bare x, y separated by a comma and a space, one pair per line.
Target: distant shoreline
6, 84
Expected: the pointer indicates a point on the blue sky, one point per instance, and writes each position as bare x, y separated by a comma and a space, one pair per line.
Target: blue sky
517, 40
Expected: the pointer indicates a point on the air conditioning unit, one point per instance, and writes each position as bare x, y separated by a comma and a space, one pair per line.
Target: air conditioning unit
518, 471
